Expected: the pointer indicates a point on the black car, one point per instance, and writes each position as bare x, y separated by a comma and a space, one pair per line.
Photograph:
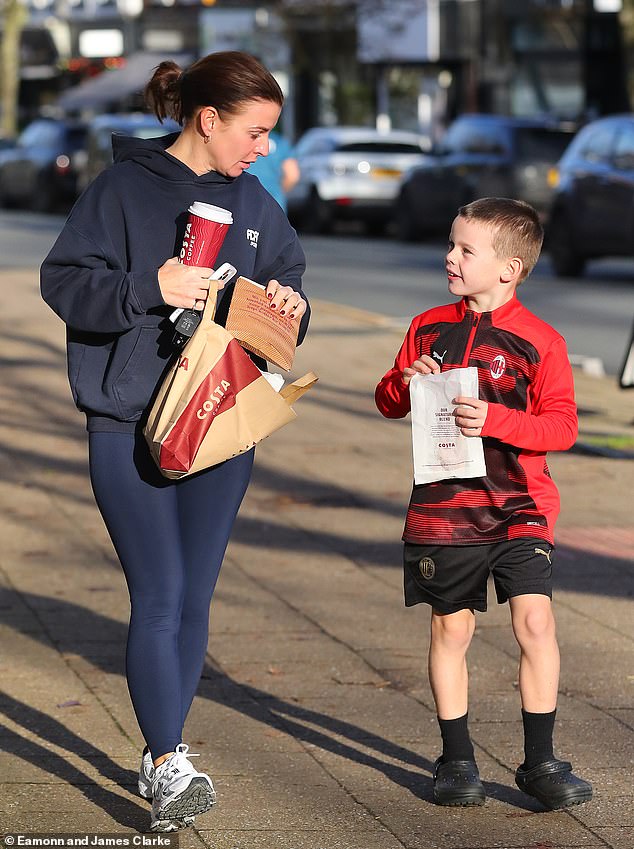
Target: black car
40, 170
480, 156
592, 212
102, 128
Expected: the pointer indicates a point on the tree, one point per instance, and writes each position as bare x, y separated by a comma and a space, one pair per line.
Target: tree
13, 16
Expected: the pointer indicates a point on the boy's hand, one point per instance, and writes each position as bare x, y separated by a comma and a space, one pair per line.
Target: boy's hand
470, 415
423, 366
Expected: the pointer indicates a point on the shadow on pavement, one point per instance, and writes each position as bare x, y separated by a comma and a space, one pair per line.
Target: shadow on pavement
121, 809
332, 734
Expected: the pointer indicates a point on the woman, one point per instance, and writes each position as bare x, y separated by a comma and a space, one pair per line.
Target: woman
114, 278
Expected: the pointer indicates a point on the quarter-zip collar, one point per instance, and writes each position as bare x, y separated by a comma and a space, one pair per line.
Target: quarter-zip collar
496, 316
474, 320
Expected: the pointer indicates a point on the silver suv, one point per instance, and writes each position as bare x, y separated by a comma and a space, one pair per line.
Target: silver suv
351, 173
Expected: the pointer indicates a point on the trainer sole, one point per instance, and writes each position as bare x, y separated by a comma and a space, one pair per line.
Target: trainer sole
196, 799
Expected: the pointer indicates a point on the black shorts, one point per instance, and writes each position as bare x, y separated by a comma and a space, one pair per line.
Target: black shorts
454, 577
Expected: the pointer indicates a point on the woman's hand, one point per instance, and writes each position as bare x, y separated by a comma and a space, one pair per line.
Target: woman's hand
285, 299
185, 286
423, 366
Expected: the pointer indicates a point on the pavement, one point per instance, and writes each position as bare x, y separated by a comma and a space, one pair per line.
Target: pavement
313, 716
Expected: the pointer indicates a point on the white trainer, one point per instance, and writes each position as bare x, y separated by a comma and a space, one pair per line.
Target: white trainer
146, 774
179, 792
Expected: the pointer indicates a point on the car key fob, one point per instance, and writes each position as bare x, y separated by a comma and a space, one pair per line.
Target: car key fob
186, 323
222, 275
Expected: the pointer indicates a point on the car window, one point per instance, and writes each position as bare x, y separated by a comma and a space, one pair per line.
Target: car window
485, 142
474, 137
378, 147
456, 137
534, 144
309, 146
39, 133
76, 138
597, 143
624, 149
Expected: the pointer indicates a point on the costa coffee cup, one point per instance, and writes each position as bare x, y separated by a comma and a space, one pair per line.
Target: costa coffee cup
205, 232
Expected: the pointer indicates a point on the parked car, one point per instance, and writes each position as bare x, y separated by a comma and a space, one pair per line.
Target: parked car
103, 127
352, 173
40, 169
592, 213
479, 156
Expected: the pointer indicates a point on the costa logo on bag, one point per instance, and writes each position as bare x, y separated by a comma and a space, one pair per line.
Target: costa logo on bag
214, 396
215, 403
212, 404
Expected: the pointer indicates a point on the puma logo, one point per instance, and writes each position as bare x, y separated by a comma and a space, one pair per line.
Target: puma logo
545, 553
440, 357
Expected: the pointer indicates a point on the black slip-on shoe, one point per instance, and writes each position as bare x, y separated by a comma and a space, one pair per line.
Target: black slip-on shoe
457, 783
554, 784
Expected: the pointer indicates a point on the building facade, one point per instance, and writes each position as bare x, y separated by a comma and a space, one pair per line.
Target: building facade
412, 64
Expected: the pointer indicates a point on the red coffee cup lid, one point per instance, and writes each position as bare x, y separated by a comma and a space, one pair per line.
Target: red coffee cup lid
211, 213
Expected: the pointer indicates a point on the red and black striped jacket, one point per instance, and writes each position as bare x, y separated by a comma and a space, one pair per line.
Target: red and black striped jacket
525, 376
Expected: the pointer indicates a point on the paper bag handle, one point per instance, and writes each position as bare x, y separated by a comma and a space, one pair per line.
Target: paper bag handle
210, 306
295, 390
224, 273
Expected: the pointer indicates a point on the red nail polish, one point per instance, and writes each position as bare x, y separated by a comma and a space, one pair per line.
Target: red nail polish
282, 312
272, 306
269, 295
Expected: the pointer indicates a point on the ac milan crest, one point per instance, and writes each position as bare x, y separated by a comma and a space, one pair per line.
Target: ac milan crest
498, 367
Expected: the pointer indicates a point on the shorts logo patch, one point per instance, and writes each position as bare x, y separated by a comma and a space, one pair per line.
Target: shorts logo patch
427, 568
498, 367
545, 553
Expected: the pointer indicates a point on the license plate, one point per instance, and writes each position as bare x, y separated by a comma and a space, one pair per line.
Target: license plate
386, 172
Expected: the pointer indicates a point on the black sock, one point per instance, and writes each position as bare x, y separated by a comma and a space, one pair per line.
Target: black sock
538, 737
456, 743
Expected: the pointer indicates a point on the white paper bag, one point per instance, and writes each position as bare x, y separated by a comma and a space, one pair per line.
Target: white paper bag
440, 450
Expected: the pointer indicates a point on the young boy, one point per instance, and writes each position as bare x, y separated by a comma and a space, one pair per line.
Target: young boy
457, 531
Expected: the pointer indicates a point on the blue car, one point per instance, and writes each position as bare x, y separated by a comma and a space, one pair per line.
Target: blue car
40, 170
592, 213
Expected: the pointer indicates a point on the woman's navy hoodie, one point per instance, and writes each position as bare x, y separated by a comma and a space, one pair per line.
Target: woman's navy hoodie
101, 276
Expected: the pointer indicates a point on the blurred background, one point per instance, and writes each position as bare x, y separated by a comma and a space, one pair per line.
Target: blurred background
402, 64
398, 112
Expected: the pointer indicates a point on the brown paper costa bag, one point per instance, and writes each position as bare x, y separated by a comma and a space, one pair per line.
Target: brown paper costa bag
215, 403
260, 329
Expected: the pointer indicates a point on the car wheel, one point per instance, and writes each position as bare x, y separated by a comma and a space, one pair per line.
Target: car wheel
565, 259
317, 217
407, 228
43, 197
375, 226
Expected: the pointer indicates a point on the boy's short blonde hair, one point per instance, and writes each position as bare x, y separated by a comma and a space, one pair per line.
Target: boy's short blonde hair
517, 229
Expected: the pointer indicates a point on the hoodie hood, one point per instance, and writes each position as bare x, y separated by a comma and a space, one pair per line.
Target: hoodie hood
152, 155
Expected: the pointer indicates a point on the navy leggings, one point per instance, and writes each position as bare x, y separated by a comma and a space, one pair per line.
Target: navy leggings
170, 537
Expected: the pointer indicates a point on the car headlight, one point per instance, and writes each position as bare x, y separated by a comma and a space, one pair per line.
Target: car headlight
62, 163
